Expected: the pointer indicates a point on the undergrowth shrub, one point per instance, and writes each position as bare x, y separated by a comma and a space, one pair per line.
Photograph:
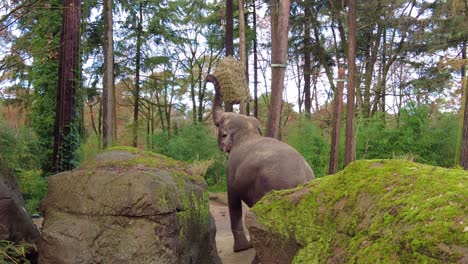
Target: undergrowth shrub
309, 141
194, 143
417, 136
189, 143
20, 157
216, 174
89, 149
8, 145
33, 187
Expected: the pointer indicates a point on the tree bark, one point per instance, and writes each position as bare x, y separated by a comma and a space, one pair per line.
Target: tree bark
108, 78
229, 39
279, 47
137, 74
307, 62
255, 52
370, 65
242, 52
464, 146
64, 145
350, 144
321, 54
335, 143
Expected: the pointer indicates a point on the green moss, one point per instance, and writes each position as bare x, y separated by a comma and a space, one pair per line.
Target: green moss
377, 211
146, 159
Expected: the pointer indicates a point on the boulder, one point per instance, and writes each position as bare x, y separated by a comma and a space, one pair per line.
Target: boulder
15, 223
127, 206
374, 211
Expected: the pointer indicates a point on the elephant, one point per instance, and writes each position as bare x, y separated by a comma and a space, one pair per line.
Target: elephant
255, 166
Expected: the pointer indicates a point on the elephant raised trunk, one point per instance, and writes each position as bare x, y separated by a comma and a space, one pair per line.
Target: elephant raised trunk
217, 108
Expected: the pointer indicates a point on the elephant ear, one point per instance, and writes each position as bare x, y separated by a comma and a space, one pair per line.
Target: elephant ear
255, 124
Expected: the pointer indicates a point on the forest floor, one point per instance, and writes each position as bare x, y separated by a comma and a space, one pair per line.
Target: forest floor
224, 240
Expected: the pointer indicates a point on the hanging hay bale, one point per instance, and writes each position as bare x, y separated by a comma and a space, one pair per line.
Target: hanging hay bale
231, 77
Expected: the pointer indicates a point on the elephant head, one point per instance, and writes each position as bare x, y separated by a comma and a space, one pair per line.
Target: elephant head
231, 126
235, 128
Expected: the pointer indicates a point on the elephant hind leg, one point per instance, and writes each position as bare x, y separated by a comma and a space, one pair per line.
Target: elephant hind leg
235, 213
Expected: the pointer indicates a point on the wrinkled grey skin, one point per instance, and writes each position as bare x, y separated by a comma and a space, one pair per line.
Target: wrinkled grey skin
256, 165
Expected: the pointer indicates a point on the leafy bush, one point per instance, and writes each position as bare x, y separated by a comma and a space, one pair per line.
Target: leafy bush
216, 174
194, 143
33, 187
308, 140
89, 148
8, 143
19, 150
417, 135
190, 143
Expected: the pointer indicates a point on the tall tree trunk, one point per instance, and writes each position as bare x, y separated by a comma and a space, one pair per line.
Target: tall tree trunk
335, 143
229, 29
255, 52
321, 54
369, 69
349, 144
64, 144
137, 74
192, 96
108, 78
307, 62
300, 93
315, 92
242, 53
229, 39
464, 145
201, 94
279, 47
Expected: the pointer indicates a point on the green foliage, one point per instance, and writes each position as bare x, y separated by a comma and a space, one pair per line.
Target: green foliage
308, 140
216, 174
89, 148
420, 135
20, 156
69, 150
44, 76
8, 143
33, 187
15, 253
18, 151
191, 143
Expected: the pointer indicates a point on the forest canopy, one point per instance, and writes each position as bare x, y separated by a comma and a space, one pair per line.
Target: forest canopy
140, 68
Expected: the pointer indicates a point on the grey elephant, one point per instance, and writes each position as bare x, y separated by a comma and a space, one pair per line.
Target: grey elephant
256, 164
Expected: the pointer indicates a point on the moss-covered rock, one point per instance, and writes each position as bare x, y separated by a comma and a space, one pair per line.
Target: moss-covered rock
127, 206
374, 211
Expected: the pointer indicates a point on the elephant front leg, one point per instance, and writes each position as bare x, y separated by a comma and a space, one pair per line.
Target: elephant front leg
235, 214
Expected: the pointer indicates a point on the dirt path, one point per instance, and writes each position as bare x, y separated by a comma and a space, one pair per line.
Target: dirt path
224, 240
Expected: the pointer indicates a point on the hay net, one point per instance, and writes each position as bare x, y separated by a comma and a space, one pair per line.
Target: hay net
230, 74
